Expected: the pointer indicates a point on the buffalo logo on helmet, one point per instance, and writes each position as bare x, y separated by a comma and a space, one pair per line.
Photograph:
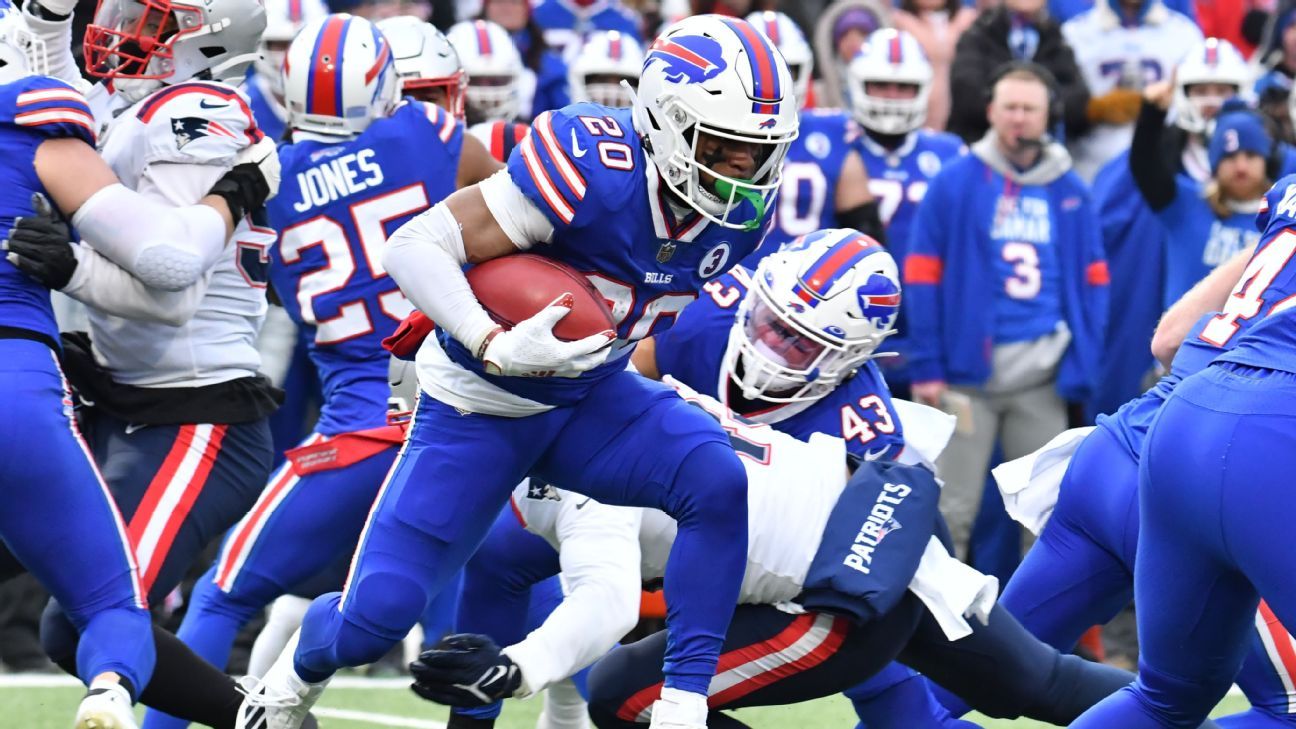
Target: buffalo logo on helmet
687, 58
879, 298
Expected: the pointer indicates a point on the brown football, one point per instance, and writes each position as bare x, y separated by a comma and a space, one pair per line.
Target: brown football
516, 287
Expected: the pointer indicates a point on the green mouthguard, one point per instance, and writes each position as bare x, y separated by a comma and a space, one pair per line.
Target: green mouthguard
727, 190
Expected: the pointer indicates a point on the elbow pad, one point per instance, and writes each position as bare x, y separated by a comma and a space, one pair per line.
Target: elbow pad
165, 247
866, 219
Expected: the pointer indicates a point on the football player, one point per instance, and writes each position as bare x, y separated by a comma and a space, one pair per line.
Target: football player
61, 522
265, 91
652, 202
566, 24
327, 270
825, 184
889, 80
1213, 538
606, 70
499, 87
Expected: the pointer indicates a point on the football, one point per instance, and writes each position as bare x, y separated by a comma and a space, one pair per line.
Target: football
516, 287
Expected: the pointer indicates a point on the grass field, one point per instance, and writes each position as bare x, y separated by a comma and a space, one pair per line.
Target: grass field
49, 703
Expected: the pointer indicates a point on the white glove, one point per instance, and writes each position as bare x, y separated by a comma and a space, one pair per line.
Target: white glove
265, 155
678, 709
530, 349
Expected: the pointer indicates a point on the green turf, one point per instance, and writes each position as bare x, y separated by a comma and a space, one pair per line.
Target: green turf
53, 708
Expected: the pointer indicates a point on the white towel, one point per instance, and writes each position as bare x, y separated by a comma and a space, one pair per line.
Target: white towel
926, 432
1030, 484
953, 591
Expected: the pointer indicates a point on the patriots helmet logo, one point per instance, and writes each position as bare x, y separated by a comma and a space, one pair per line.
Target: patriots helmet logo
690, 59
189, 128
879, 299
890, 525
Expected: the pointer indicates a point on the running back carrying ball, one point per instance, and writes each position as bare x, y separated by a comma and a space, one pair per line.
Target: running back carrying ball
515, 287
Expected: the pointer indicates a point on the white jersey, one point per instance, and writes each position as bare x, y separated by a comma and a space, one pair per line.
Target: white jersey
792, 488
172, 146
1109, 53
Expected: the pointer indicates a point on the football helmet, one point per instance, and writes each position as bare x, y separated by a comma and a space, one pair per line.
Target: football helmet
1214, 60
22, 53
889, 56
425, 60
815, 311
716, 76
339, 76
791, 42
284, 18
494, 69
171, 42
605, 61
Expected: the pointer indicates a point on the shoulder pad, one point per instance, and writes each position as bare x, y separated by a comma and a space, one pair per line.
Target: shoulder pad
197, 122
569, 160
51, 108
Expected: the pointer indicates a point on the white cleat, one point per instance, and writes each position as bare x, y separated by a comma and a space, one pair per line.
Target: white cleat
106, 707
679, 710
280, 699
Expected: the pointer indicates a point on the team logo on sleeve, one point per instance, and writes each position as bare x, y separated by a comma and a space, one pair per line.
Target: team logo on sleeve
189, 128
541, 491
688, 58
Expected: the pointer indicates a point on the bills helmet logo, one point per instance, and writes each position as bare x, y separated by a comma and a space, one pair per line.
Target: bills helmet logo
768, 123
879, 299
690, 59
189, 128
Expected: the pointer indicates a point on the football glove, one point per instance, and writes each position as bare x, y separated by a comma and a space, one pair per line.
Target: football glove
530, 349
465, 670
253, 179
40, 245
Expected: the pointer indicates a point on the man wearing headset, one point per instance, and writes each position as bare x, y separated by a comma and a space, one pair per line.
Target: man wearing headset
1015, 331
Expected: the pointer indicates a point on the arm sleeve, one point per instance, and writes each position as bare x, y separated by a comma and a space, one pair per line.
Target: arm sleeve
100, 283
1153, 174
923, 275
425, 257
599, 552
165, 247
57, 35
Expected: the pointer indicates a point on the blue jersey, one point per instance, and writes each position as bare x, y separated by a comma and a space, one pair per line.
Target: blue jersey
859, 410
32, 110
270, 115
551, 85
807, 195
1257, 323
898, 178
1197, 240
584, 169
338, 203
565, 23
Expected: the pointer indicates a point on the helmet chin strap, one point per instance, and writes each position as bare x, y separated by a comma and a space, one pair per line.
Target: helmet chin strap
728, 191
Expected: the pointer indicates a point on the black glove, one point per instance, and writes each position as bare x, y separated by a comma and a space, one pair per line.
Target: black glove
253, 179
40, 245
465, 670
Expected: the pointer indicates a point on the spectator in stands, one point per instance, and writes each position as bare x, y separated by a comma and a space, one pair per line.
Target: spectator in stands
1064, 10
1016, 328
1274, 86
1240, 22
838, 33
1206, 224
936, 25
1122, 46
550, 72
567, 23
1017, 30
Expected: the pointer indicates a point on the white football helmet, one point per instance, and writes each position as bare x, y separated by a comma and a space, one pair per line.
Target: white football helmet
1215, 60
889, 56
22, 53
816, 310
425, 59
170, 42
494, 69
339, 77
791, 42
716, 76
605, 60
284, 19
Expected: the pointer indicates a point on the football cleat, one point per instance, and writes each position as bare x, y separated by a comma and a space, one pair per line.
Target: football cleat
106, 707
280, 699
